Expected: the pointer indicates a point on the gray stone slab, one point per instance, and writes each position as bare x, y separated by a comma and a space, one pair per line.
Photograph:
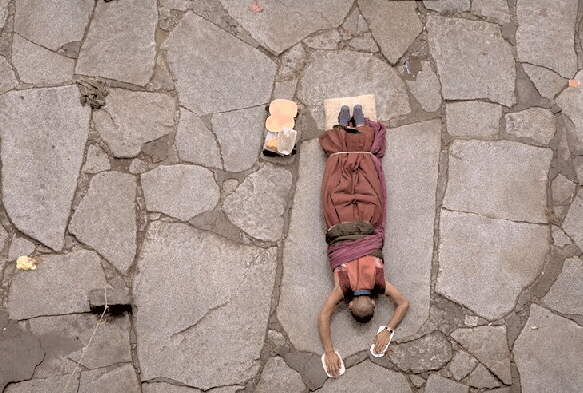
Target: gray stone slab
3, 12
307, 278
43, 139
439, 384
545, 34
430, 352
573, 222
240, 136
21, 348
365, 43
561, 342
20, 246
426, 88
195, 143
394, 38
96, 161
495, 9
566, 294
537, 124
355, 23
162, 387
130, 119
367, 377
328, 39
258, 205
106, 218
482, 378
36, 21
447, 5
7, 76
285, 89
461, 365
488, 344
562, 189
292, 61
473, 60
66, 279
225, 294
122, 379
560, 238
571, 101
221, 73
496, 258
170, 190
473, 119
110, 297
61, 384
39, 65
546, 81
4, 236
282, 24
278, 377
138, 166
411, 168
113, 51
346, 73
498, 179
63, 338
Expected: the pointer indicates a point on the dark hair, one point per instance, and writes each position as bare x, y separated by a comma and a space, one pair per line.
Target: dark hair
362, 310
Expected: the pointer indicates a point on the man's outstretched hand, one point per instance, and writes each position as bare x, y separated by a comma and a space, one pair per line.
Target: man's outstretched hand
381, 340
333, 363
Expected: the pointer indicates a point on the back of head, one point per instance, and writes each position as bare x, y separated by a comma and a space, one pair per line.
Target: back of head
362, 308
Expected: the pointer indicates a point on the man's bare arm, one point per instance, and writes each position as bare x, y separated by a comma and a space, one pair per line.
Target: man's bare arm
324, 318
401, 305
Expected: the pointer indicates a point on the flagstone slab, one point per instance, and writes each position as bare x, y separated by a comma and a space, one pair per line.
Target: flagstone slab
195, 143
547, 82
8, 79
573, 222
537, 124
566, 294
368, 377
38, 65
571, 101
473, 119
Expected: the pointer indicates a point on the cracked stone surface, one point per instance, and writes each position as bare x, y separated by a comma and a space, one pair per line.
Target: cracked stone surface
437, 384
43, 177
36, 21
426, 88
38, 65
562, 189
63, 337
495, 9
97, 160
20, 246
430, 352
278, 377
496, 258
195, 143
122, 379
282, 24
573, 223
21, 348
537, 124
478, 63
545, 34
219, 75
560, 238
482, 378
226, 305
447, 5
67, 278
52, 384
269, 186
394, 38
114, 51
570, 101
410, 166
368, 377
547, 82
488, 344
461, 365
326, 77
240, 136
123, 131
106, 218
3, 12
170, 190
325, 40
499, 179
562, 341
475, 119
566, 294
7, 76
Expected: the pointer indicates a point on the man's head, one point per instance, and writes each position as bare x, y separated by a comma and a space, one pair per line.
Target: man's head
362, 308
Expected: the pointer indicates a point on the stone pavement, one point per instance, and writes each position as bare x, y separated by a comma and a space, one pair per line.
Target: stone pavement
161, 204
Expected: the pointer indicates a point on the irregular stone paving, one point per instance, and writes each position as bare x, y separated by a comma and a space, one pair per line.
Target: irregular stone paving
211, 257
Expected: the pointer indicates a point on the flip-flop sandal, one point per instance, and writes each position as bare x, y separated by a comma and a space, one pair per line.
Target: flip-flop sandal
382, 353
342, 368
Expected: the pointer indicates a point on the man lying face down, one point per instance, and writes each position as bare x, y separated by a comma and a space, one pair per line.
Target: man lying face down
353, 199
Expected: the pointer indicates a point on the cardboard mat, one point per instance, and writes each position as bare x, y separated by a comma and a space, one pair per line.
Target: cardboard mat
332, 107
